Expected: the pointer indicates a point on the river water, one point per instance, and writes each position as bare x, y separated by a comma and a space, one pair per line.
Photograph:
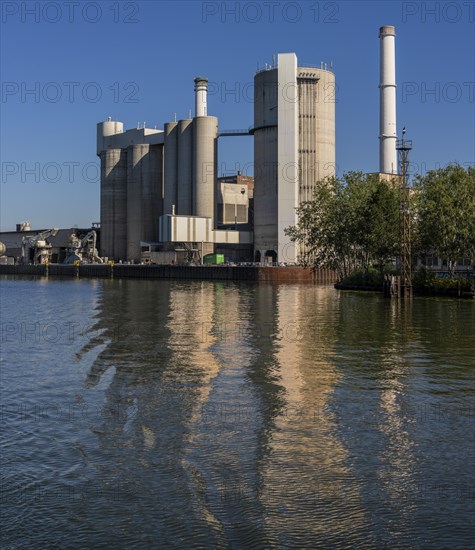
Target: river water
189, 414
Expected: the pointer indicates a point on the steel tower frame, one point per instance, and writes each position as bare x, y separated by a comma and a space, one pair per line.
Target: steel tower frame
403, 147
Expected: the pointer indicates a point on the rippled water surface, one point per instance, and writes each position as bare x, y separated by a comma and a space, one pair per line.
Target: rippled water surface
157, 414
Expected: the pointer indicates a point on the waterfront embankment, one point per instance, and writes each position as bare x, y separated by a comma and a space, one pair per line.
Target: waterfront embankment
200, 272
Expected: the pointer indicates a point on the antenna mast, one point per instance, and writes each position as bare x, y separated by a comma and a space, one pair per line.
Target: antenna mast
403, 147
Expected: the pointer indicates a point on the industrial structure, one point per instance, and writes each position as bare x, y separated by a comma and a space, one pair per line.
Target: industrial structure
387, 101
161, 200
236, 201
160, 190
403, 147
150, 174
294, 148
43, 246
83, 249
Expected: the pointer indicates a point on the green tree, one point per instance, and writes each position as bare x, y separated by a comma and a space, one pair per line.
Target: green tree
320, 231
445, 206
350, 224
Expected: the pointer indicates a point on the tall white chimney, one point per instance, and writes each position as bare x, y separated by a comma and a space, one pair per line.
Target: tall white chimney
387, 95
201, 91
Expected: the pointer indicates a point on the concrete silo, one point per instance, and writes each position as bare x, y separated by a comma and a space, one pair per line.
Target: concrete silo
185, 168
156, 170
138, 186
113, 210
106, 129
205, 134
316, 88
170, 167
265, 161
143, 196
294, 148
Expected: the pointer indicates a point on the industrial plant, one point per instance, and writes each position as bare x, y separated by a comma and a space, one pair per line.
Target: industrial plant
160, 189
161, 200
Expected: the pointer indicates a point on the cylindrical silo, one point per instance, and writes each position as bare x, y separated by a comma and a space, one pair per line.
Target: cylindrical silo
205, 133
156, 171
265, 161
185, 167
113, 203
316, 146
170, 167
316, 91
107, 129
140, 222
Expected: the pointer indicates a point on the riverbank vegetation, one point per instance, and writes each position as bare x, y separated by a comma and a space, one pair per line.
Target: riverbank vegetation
352, 225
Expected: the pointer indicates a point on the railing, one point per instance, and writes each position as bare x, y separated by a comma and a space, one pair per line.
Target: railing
266, 68
322, 67
404, 144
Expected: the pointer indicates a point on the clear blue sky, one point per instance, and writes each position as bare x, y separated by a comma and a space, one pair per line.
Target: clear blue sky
151, 51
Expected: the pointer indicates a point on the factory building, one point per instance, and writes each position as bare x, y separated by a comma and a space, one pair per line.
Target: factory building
236, 202
131, 188
160, 188
33, 246
146, 174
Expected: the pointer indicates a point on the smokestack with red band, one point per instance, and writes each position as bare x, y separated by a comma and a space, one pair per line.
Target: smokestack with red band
387, 91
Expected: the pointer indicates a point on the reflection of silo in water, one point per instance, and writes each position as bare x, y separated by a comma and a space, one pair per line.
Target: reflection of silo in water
225, 447
192, 337
305, 472
144, 427
230, 417
185, 167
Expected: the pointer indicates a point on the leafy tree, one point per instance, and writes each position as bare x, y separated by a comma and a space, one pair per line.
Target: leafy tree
349, 224
445, 204
318, 231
